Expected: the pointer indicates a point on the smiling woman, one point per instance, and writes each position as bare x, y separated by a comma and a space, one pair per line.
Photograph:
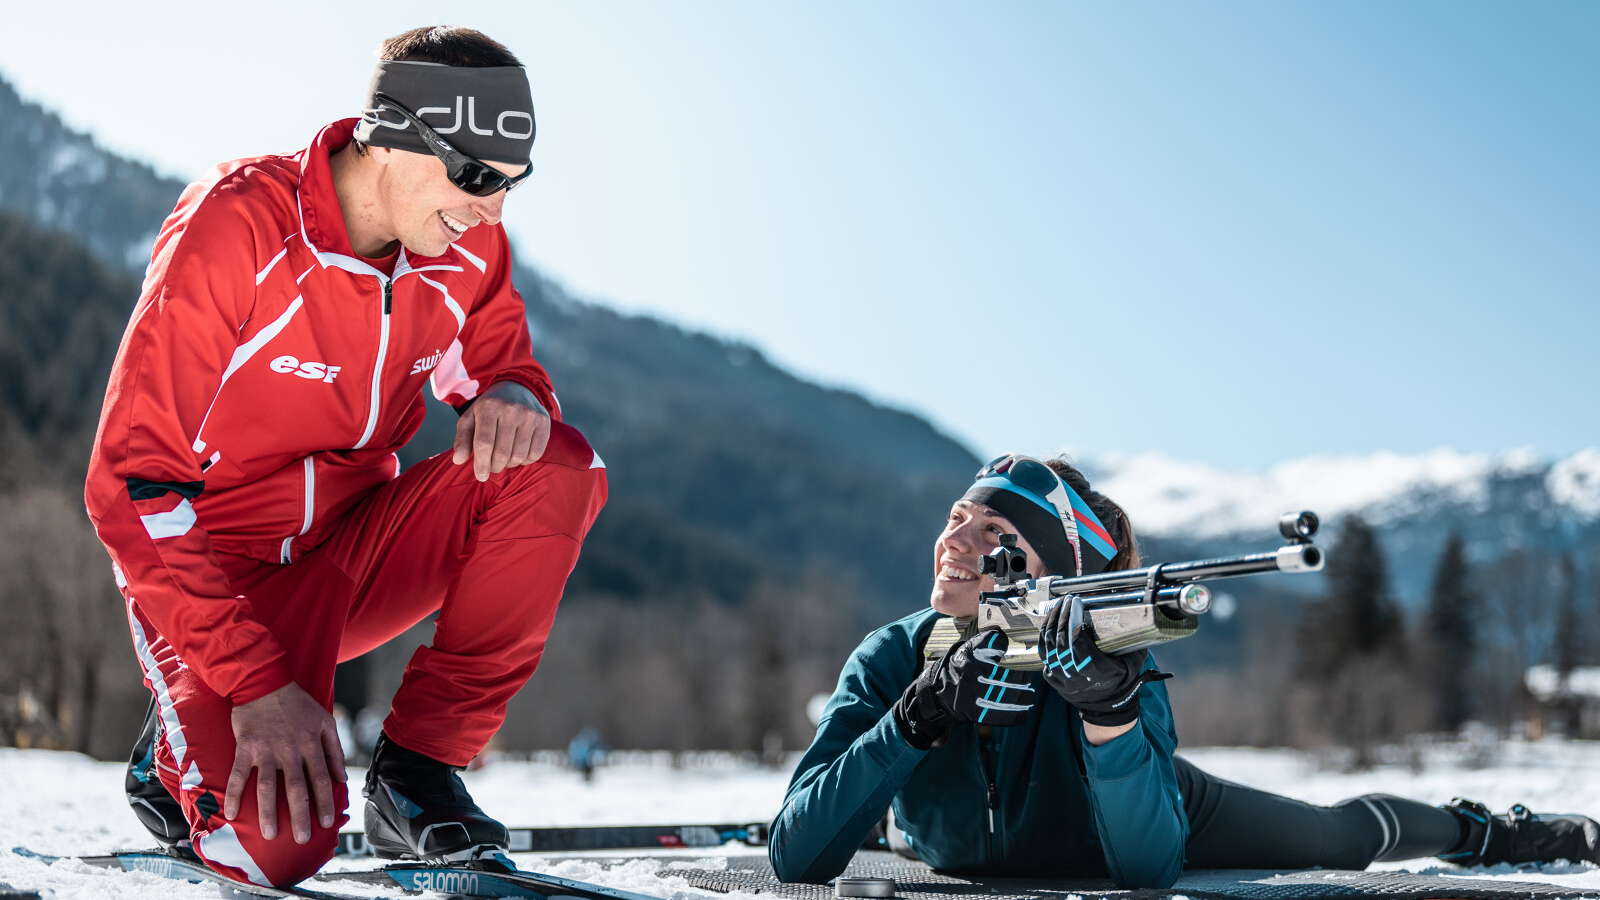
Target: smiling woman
973, 529
1070, 771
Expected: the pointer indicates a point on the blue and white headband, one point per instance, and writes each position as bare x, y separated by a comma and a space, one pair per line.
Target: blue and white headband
1069, 537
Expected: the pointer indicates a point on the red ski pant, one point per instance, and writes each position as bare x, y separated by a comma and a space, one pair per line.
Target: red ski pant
490, 557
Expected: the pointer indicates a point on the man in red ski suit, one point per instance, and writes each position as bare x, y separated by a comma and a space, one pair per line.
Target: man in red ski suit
245, 483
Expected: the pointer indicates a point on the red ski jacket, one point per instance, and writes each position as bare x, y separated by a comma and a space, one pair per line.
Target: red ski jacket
265, 380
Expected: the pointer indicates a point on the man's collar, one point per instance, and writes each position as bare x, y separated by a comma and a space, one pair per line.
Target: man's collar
321, 219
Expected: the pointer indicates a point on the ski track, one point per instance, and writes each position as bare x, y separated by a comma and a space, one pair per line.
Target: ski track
65, 803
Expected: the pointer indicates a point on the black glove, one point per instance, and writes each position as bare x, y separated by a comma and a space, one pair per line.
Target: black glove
1104, 688
967, 685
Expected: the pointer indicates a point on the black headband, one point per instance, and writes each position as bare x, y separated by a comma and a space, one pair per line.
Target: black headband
486, 113
1033, 522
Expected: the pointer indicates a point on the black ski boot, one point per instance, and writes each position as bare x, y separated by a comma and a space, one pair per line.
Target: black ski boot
417, 808
156, 808
1520, 836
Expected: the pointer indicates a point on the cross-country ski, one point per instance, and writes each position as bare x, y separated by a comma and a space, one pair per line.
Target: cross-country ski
601, 837
168, 865
488, 877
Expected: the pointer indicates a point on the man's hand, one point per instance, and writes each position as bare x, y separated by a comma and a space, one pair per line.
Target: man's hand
289, 732
504, 428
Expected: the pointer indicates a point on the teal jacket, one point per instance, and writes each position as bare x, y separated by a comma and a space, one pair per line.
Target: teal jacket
1035, 799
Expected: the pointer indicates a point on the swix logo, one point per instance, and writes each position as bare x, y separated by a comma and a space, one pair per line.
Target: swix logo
289, 365
501, 125
426, 363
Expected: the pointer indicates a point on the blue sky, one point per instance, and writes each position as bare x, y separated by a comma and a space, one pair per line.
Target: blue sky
1234, 232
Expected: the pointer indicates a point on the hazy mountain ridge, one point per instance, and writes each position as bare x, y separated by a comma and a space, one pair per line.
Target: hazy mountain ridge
710, 433
730, 377
60, 178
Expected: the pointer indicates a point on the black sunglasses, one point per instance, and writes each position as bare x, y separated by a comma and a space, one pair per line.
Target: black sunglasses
466, 173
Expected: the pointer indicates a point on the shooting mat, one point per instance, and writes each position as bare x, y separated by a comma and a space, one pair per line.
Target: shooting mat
915, 881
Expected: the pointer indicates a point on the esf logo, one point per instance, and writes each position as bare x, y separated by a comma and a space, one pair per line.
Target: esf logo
521, 123
311, 370
426, 363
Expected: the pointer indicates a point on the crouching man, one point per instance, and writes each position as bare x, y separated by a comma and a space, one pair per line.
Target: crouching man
245, 483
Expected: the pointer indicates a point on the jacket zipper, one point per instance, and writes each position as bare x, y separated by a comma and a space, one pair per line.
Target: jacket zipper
311, 508
992, 800
372, 416
377, 368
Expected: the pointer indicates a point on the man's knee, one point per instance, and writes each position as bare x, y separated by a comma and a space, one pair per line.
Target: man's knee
247, 856
292, 863
567, 482
238, 849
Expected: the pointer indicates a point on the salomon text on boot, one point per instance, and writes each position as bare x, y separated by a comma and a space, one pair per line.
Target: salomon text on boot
1519, 836
417, 808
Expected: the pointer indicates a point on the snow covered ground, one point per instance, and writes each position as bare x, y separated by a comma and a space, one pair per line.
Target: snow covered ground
60, 803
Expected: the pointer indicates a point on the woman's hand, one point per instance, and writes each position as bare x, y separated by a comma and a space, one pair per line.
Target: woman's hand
1104, 688
967, 685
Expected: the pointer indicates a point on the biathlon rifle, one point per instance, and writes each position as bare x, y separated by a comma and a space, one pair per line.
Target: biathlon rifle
1129, 609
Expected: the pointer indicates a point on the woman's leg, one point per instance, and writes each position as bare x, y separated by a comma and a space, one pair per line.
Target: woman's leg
1236, 827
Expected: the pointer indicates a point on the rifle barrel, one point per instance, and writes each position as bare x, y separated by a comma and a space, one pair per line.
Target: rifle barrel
1292, 558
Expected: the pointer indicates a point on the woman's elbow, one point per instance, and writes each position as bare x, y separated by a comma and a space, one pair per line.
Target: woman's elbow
789, 867
781, 868
792, 873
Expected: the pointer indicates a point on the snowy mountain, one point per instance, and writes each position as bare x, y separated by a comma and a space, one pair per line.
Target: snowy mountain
1169, 497
1498, 502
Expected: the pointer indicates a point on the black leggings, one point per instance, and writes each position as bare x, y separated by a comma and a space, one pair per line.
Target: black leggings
1235, 827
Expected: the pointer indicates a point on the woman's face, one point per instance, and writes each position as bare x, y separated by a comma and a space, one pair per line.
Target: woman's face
969, 534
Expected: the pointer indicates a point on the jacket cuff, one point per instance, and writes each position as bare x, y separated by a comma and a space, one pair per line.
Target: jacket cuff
540, 388
259, 683
1124, 755
888, 747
